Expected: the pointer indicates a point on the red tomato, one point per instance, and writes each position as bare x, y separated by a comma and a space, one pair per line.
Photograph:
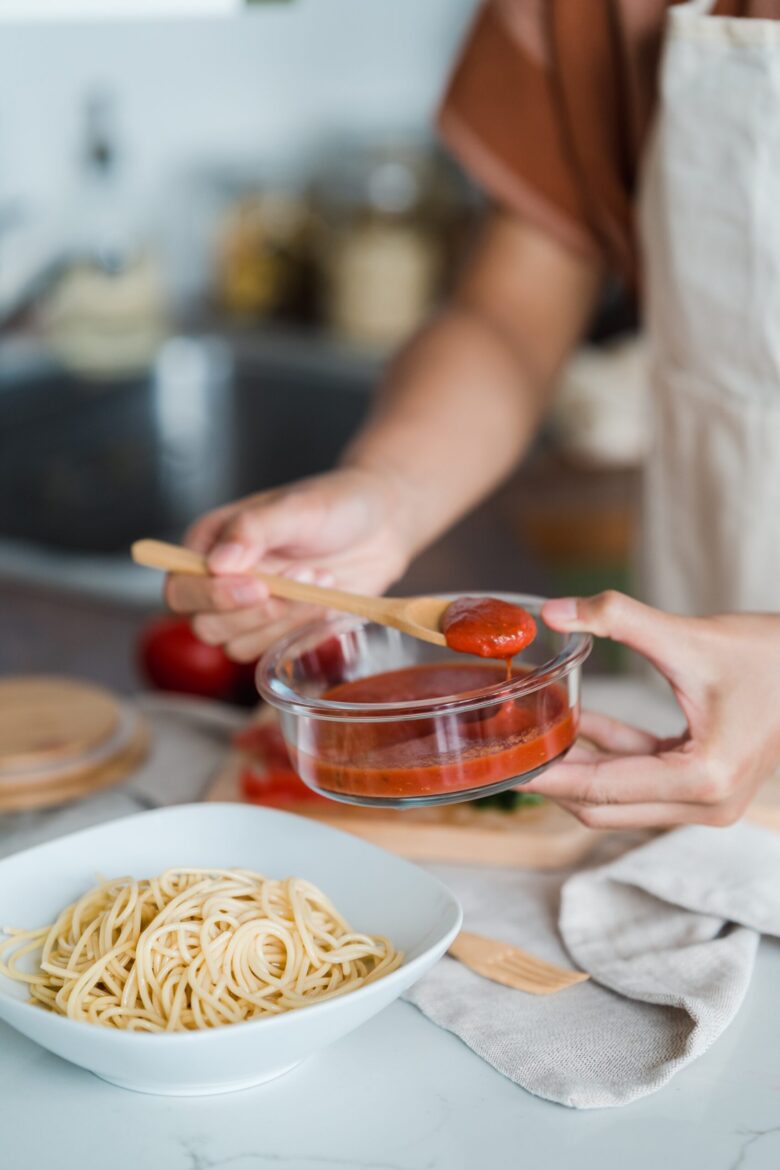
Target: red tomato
245, 689
171, 658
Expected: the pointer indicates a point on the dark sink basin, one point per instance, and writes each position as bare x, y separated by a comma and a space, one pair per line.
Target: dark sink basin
89, 467
86, 468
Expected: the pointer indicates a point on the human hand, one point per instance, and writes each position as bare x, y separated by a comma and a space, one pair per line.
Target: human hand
345, 528
725, 674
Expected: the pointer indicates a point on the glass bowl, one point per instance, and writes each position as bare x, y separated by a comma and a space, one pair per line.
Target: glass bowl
421, 751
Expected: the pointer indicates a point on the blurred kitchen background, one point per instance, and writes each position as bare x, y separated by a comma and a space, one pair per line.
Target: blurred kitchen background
216, 222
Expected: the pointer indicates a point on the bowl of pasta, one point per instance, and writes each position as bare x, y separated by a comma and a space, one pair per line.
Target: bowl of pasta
207, 948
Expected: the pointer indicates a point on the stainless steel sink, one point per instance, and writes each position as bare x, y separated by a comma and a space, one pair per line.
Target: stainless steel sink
86, 468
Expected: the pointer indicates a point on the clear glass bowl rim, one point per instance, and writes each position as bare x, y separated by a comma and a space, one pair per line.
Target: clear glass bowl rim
575, 650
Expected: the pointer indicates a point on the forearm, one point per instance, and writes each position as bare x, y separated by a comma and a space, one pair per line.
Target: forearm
455, 414
462, 401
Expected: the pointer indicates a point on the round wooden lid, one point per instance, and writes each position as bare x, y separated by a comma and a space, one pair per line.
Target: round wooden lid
45, 720
75, 783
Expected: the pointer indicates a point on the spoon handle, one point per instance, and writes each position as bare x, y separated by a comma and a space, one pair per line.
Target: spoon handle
172, 558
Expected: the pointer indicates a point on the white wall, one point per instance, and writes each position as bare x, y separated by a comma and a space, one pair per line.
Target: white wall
47, 10
266, 86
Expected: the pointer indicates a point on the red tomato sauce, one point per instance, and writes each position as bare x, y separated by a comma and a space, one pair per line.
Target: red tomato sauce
423, 757
487, 627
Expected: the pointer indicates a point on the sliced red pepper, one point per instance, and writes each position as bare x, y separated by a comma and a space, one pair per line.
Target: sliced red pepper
263, 741
277, 788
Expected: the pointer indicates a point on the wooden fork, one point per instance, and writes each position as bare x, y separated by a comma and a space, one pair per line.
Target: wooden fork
510, 966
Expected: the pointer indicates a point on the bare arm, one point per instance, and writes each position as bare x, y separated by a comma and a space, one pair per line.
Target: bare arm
458, 407
462, 401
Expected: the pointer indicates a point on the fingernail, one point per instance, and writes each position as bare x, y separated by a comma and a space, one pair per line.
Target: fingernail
248, 593
303, 575
326, 580
562, 610
229, 558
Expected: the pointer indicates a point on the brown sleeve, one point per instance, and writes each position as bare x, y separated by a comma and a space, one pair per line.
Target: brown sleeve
505, 117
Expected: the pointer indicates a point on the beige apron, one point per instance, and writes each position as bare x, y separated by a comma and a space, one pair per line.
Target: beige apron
710, 221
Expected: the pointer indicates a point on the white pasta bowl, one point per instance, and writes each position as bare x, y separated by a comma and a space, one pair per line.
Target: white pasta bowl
377, 893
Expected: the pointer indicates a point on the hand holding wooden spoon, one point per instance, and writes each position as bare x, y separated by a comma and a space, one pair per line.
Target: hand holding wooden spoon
493, 628
420, 617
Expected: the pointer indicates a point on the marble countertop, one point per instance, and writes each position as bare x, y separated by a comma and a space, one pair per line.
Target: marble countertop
398, 1094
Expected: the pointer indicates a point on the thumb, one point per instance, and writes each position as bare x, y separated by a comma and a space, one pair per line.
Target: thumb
252, 532
661, 637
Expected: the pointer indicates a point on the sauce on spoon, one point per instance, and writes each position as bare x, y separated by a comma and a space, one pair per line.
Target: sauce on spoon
488, 627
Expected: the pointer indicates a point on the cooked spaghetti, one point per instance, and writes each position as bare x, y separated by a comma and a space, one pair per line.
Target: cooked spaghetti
192, 949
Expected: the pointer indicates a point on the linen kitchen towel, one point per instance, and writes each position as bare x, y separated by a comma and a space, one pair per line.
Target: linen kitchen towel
668, 932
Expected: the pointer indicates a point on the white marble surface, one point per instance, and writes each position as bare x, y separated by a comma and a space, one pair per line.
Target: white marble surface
399, 1094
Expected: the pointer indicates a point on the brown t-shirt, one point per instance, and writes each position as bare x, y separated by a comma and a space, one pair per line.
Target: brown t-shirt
549, 108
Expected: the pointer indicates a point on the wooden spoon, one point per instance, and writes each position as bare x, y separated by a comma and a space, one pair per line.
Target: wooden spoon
418, 616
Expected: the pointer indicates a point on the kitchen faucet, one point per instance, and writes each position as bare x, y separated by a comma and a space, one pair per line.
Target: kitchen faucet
105, 252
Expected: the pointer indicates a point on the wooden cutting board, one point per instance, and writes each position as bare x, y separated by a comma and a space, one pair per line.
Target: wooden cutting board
541, 837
